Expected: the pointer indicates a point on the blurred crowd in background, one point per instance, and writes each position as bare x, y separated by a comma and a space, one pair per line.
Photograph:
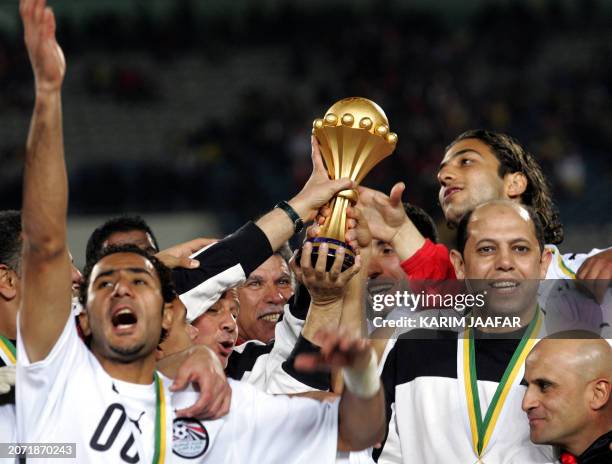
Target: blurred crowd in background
192, 112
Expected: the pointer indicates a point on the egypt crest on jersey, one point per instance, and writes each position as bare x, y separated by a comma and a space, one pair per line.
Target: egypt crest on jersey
189, 438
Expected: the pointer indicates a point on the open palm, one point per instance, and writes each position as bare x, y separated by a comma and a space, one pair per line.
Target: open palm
385, 214
45, 54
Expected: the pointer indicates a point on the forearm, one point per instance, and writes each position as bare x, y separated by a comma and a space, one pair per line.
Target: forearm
353, 312
362, 407
322, 317
170, 365
407, 241
46, 266
361, 421
277, 226
45, 192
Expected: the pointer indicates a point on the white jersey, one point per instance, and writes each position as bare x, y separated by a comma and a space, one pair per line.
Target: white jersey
261, 428
7, 429
565, 307
69, 398
425, 395
565, 266
266, 371
8, 432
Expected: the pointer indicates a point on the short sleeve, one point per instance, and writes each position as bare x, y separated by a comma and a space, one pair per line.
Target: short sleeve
40, 385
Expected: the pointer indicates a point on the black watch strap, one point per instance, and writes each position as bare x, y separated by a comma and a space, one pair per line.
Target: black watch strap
298, 223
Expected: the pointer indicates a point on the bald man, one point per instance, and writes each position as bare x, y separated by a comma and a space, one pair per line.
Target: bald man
568, 398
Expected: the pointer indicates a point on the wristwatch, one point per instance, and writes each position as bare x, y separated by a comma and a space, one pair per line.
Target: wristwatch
298, 223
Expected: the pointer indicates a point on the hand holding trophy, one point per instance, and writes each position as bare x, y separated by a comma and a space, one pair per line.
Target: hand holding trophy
353, 137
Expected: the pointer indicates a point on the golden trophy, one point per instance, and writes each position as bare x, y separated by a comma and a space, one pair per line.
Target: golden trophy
353, 137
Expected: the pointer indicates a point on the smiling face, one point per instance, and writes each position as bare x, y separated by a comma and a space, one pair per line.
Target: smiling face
385, 275
262, 299
468, 176
502, 257
557, 397
125, 309
217, 327
567, 400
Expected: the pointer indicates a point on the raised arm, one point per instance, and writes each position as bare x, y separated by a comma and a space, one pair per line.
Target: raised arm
228, 262
46, 263
326, 289
317, 191
353, 311
360, 238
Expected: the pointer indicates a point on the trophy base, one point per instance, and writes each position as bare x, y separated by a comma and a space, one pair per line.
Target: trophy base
333, 245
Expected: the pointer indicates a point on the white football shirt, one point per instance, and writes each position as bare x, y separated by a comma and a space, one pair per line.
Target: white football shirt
259, 428
8, 433
69, 398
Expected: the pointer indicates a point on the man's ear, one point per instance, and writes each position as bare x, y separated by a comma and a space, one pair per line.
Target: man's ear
458, 264
167, 315
84, 323
545, 262
8, 283
601, 394
515, 185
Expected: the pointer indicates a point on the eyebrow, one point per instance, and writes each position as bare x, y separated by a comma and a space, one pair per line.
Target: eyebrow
492, 240
542, 380
511, 241
459, 153
134, 270
519, 240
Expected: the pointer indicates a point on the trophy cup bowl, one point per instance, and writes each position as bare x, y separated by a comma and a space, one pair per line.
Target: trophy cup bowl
353, 137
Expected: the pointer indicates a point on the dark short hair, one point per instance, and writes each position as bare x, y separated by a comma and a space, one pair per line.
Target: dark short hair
422, 221
10, 239
164, 274
514, 158
462, 228
115, 224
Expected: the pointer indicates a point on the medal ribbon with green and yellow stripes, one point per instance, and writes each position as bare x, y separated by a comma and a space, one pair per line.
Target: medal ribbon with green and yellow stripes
8, 349
564, 267
483, 429
160, 422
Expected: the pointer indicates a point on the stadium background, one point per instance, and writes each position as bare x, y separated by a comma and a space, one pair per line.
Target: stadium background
197, 114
